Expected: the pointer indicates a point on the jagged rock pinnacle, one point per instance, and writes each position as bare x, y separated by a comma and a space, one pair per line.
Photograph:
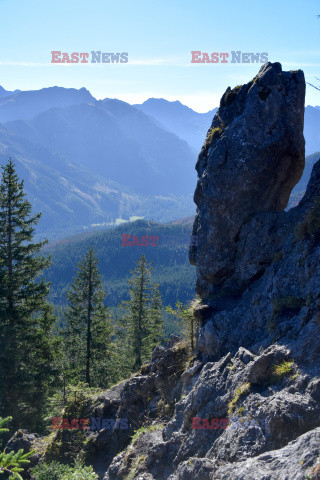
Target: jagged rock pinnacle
252, 157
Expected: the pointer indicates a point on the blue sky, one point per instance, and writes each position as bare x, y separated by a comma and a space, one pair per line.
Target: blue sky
158, 37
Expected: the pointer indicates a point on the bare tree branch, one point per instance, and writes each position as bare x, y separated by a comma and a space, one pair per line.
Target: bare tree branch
313, 86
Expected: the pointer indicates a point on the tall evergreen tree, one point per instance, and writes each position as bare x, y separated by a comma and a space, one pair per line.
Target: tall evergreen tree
26, 320
156, 330
88, 332
143, 313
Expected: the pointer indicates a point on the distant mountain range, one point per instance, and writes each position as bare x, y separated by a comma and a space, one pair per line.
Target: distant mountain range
187, 124
6, 93
193, 126
91, 162
72, 196
87, 162
26, 105
117, 142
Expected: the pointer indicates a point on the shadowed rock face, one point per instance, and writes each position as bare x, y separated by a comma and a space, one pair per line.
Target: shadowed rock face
251, 159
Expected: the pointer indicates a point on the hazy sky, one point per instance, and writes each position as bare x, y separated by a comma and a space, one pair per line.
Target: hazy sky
158, 36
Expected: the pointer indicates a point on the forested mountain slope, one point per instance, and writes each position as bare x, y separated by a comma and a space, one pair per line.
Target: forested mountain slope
169, 258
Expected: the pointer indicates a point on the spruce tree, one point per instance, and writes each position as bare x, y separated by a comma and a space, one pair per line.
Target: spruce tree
143, 313
26, 320
88, 331
156, 333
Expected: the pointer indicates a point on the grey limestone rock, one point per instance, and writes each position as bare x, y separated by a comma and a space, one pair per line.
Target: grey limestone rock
251, 159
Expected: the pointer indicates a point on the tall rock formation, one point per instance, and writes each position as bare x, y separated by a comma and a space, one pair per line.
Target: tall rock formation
251, 159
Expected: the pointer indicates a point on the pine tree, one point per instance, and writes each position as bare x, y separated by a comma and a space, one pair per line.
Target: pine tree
156, 332
143, 313
88, 332
25, 318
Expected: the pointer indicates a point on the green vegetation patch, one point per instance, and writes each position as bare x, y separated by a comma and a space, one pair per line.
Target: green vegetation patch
133, 470
65, 444
50, 471
142, 430
58, 471
282, 370
242, 391
212, 135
